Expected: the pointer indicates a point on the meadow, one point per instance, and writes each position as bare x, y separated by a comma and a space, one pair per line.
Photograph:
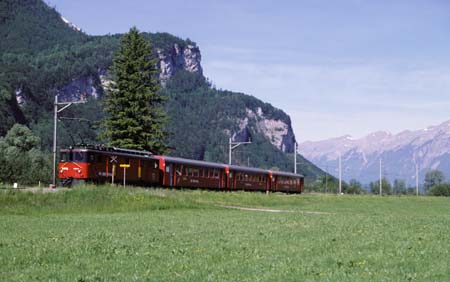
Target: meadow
117, 234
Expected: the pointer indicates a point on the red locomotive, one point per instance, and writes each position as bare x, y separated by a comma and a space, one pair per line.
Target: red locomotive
106, 164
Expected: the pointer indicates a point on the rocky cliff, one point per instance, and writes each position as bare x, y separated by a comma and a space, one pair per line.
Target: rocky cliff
178, 58
171, 61
277, 130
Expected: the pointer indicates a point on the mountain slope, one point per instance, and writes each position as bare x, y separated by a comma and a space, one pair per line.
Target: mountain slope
429, 148
33, 27
201, 117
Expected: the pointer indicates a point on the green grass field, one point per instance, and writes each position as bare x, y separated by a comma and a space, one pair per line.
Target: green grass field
114, 234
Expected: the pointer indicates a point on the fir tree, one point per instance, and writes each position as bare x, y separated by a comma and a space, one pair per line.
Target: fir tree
135, 117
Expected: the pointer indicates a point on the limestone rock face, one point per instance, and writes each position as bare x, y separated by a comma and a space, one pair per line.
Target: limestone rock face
179, 58
277, 130
81, 88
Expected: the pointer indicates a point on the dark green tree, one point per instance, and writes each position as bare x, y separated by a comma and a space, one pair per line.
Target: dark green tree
432, 178
21, 159
354, 187
442, 189
386, 187
135, 117
399, 187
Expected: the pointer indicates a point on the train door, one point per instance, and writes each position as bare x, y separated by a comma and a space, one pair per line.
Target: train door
231, 180
301, 184
269, 182
275, 183
170, 168
225, 178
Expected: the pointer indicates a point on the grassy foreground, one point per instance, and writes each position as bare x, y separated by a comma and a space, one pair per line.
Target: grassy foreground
114, 234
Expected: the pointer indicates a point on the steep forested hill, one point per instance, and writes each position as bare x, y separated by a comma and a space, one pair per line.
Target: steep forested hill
41, 56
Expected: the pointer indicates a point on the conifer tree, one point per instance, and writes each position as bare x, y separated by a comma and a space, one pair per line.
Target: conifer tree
135, 118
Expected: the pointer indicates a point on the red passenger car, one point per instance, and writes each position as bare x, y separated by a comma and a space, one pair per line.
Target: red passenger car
101, 164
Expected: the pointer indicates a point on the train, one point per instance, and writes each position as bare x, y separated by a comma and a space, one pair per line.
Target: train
102, 164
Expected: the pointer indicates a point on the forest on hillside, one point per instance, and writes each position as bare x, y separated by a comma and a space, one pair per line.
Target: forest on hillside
40, 54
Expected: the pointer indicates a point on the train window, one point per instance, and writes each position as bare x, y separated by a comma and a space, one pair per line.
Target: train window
216, 173
64, 157
196, 172
91, 158
79, 157
189, 171
99, 158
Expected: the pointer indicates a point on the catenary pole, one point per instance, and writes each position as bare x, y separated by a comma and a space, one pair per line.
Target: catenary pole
417, 179
340, 174
55, 124
233, 145
380, 179
55, 128
295, 157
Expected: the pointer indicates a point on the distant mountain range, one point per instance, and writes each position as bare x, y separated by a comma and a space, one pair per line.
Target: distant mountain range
399, 153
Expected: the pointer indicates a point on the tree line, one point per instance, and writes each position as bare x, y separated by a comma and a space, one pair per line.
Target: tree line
434, 184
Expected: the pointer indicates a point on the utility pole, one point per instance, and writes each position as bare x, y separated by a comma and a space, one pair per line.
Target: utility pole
326, 180
55, 126
417, 179
233, 145
340, 175
380, 179
295, 157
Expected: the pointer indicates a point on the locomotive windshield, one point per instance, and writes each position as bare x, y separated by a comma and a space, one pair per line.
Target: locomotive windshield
65, 157
79, 156
73, 156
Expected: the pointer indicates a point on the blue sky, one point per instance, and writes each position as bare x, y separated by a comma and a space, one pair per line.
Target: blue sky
336, 67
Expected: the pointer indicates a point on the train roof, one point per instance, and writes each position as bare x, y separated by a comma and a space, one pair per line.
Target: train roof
232, 167
259, 170
248, 169
283, 173
110, 150
192, 162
